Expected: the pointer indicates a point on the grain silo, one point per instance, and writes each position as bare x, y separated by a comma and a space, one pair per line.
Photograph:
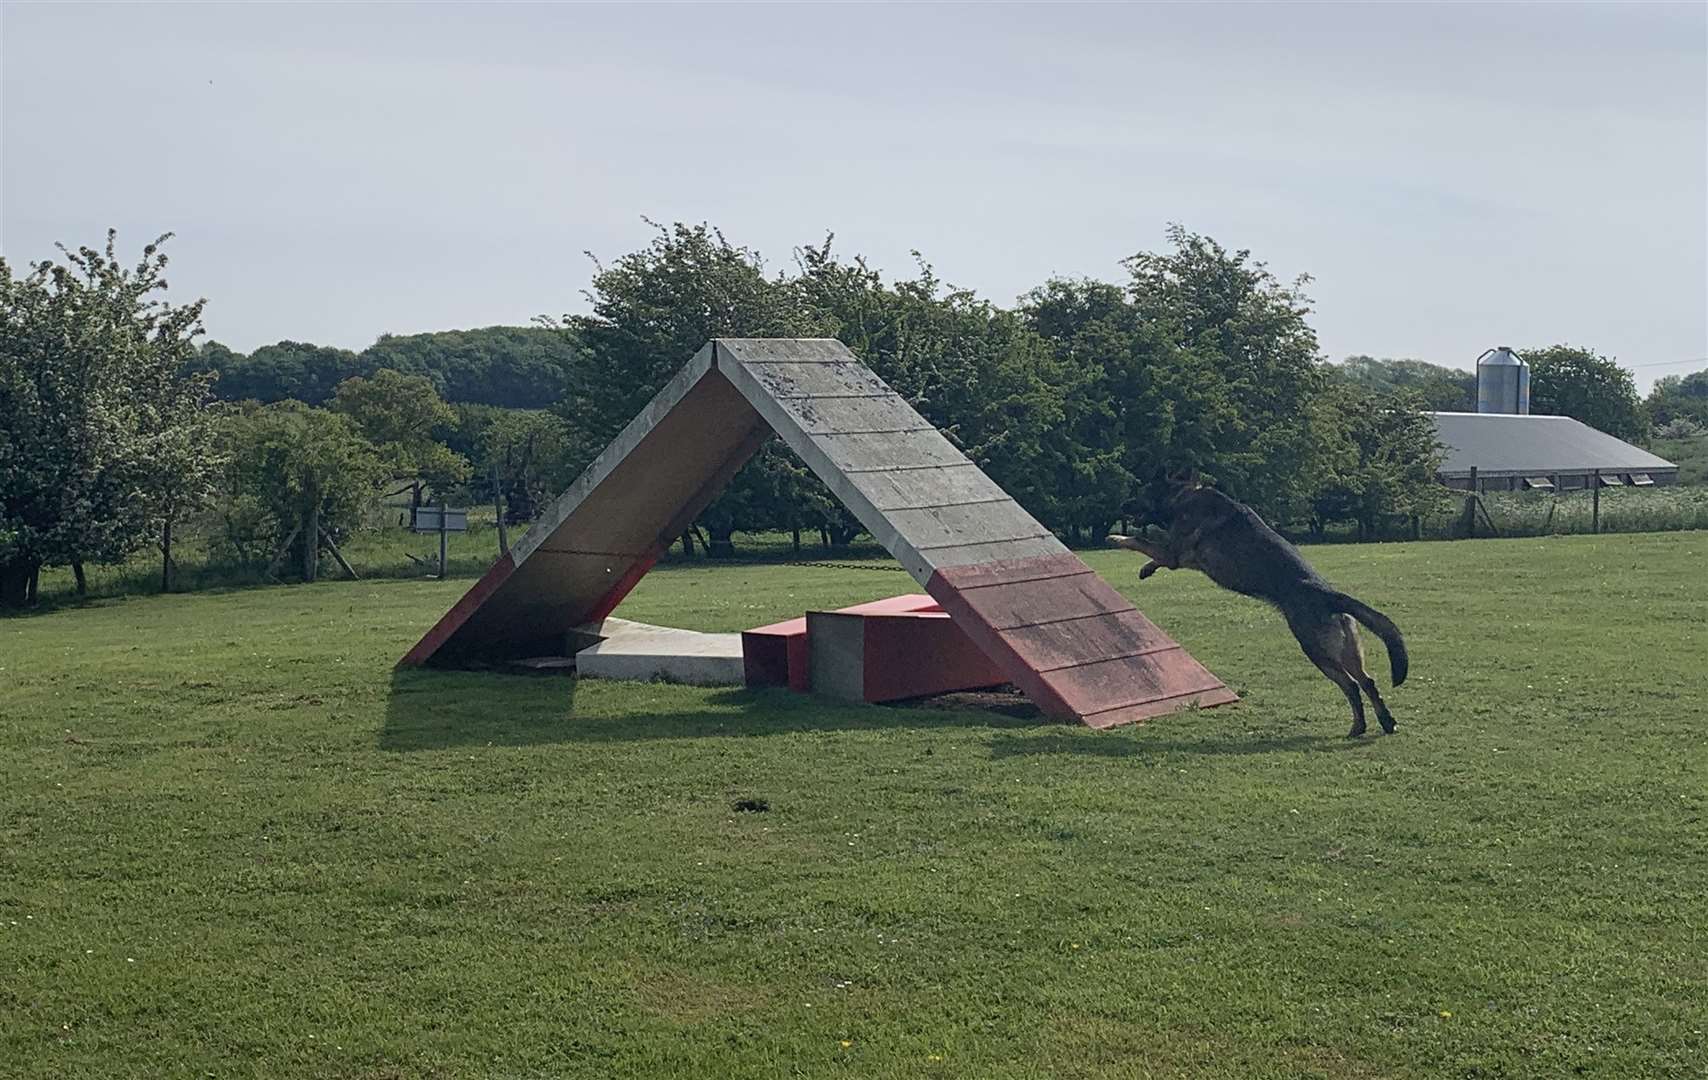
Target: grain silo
1503, 383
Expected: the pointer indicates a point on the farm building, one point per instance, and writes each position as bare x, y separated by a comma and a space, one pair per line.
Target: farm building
1515, 452
1508, 449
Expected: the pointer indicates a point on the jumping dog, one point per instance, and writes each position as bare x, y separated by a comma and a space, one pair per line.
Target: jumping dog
1225, 539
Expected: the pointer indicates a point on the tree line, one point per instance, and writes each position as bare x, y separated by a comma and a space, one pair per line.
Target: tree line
1081, 399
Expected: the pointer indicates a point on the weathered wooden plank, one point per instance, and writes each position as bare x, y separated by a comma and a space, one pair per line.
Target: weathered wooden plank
1027, 603
792, 350
883, 453
828, 415
940, 527
786, 381
1049, 646
977, 553
948, 485
1121, 682
1013, 571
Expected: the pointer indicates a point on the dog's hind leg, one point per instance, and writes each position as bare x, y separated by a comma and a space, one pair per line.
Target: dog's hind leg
1352, 662
1322, 643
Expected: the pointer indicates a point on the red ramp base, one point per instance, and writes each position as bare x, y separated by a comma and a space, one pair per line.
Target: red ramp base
1072, 643
780, 655
892, 656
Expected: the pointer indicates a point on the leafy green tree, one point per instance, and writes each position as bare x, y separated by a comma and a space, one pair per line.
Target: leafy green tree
1137, 405
285, 371
210, 358
654, 308
521, 367
1226, 309
1679, 398
1381, 454
1580, 383
1441, 389
296, 475
532, 454
405, 419
103, 438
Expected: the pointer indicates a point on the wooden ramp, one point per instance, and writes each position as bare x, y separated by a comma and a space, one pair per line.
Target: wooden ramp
1059, 632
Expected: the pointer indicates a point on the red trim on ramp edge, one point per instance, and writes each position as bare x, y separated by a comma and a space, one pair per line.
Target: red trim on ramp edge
452, 620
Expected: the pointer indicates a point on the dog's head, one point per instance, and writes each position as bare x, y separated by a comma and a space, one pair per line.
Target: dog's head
1153, 502
1198, 505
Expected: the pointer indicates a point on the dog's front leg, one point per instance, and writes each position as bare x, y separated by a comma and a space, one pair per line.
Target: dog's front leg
1160, 555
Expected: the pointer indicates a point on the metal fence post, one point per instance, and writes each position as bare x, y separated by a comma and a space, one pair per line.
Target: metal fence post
1595, 501
1471, 507
444, 533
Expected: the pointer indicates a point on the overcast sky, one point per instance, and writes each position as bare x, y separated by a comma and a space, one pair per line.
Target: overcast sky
1453, 176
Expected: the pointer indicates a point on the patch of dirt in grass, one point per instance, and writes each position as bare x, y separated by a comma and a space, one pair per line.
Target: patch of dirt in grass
1005, 700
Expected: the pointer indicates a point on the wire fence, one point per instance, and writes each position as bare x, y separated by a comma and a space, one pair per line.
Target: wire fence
205, 559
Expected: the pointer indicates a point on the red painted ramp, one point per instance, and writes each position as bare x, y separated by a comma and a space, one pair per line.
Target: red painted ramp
1073, 644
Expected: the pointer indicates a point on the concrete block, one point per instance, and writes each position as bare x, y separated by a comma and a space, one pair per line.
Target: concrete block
637, 652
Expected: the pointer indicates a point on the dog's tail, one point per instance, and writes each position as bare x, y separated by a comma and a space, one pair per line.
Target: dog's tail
1379, 624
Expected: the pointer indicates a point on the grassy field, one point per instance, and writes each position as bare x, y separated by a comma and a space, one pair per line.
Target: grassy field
233, 843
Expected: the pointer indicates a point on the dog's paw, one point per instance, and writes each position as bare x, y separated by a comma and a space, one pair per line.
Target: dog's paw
1148, 569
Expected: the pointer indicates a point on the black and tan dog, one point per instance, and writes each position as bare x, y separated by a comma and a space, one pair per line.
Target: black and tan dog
1226, 539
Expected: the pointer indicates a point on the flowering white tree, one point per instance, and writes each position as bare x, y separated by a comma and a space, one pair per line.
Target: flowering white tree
104, 440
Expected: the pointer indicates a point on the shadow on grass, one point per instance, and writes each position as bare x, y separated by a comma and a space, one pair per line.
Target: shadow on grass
1140, 744
435, 710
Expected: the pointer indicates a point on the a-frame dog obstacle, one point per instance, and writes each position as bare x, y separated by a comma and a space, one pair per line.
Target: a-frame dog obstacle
1073, 644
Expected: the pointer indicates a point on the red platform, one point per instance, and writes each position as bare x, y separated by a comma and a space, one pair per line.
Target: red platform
779, 654
891, 656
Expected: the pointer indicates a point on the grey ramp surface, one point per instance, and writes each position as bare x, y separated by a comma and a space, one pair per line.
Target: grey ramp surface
912, 489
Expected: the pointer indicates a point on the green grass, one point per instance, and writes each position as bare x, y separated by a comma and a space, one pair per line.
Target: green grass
232, 843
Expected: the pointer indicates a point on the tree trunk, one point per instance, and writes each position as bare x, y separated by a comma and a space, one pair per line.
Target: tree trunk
797, 538
166, 557
311, 538
15, 583
35, 586
688, 543
82, 579
444, 534
722, 545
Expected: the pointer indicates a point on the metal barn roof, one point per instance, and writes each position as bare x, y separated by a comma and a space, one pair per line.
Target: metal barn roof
1534, 445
